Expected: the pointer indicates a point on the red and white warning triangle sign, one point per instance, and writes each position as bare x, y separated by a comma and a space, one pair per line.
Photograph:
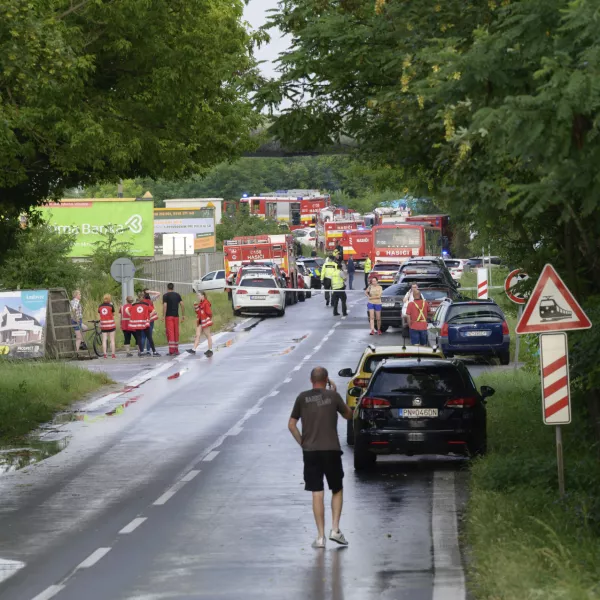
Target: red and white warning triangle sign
551, 307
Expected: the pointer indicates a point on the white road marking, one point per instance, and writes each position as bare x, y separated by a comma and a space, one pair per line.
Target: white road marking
287, 380
161, 500
9, 567
274, 393
49, 592
449, 577
132, 526
318, 347
210, 457
235, 430
190, 475
336, 325
297, 367
307, 357
93, 558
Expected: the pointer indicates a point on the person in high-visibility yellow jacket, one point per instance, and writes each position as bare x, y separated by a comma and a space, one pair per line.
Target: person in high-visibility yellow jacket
367, 269
327, 270
338, 285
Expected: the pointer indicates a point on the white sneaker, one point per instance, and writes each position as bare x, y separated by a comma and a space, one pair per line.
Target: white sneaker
319, 543
338, 536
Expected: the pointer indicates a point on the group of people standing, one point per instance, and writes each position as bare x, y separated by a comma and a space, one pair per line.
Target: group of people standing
137, 319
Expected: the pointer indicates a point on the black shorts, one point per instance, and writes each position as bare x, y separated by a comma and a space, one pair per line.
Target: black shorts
321, 463
127, 336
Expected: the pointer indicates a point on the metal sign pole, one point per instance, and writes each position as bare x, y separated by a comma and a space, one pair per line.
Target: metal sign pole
518, 342
560, 461
123, 286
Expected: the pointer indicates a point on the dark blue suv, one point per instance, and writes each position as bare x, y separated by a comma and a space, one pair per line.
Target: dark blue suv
471, 327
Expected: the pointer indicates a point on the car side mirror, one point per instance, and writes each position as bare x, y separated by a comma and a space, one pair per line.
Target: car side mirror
346, 372
487, 391
355, 392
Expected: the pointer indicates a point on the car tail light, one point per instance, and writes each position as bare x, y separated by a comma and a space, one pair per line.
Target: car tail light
369, 402
505, 329
361, 382
241, 292
465, 402
444, 330
274, 292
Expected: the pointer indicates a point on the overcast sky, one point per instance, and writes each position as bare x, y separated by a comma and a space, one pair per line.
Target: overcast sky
256, 15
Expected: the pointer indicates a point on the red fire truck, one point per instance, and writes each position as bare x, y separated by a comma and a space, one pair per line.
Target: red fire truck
296, 211
396, 243
263, 249
442, 222
332, 234
358, 244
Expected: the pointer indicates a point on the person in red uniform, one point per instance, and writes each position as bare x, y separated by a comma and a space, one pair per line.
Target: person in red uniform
107, 324
171, 303
140, 325
147, 299
416, 314
204, 323
125, 312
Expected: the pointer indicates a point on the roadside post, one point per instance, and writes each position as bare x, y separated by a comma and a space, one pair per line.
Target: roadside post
515, 277
123, 271
482, 284
551, 311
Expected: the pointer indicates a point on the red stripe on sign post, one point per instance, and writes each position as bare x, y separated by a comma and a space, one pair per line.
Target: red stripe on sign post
482, 284
555, 366
554, 408
557, 385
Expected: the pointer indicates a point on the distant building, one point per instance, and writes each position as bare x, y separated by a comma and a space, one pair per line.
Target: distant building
215, 203
18, 327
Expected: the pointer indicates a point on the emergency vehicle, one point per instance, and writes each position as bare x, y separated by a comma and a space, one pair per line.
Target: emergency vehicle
265, 248
385, 215
442, 222
358, 244
396, 243
296, 211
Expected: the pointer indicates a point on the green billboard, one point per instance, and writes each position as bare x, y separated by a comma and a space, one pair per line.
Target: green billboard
132, 220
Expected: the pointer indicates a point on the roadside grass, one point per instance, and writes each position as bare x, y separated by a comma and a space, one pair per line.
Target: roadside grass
523, 541
222, 316
32, 392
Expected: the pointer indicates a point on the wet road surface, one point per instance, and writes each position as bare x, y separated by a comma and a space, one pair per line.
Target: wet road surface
195, 490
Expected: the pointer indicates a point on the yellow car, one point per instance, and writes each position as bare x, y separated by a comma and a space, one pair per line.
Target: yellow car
371, 358
385, 272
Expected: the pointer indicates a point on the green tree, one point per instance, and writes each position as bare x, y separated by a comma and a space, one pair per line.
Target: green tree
243, 223
93, 91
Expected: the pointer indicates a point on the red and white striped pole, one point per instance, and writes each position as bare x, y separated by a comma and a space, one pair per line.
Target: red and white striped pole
482, 284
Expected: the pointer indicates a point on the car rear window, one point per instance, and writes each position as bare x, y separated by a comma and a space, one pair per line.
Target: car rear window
398, 289
434, 294
408, 279
470, 313
452, 263
388, 267
374, 361
310, 264
258, 282
419, 380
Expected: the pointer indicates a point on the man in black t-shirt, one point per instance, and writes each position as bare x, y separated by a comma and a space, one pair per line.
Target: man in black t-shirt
171, 303
318, 409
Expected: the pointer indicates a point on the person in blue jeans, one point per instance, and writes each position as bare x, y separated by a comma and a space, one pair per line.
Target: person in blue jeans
149, 296
351, 271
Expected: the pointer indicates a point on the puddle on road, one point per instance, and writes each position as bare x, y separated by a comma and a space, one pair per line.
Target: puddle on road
13, 459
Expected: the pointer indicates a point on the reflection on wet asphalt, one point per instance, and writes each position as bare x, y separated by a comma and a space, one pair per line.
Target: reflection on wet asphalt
240, 525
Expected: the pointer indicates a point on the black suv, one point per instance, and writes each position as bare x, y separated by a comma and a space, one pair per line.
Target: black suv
425, 270
420, 406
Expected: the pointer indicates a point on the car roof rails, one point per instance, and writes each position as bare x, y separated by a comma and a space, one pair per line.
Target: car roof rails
371, 347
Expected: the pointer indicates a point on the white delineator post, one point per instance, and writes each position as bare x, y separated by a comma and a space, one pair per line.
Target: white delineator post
482, 284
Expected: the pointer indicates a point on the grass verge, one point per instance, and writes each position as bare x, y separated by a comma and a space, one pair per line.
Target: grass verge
31, 393
524, 542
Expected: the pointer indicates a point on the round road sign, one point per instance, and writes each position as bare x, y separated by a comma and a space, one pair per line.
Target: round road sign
515, 277
122, 270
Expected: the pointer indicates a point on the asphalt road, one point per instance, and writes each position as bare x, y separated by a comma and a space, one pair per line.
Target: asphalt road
195, 490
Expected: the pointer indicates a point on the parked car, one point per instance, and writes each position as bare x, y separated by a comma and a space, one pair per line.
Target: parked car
386, 273
308, 237
371, 358
259, 293
471, 327
425, 268
456, 266
313, 265
304, 277
215, 280
419, 406
478, 261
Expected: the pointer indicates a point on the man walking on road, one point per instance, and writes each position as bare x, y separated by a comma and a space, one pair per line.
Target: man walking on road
318, 409
351, 271
171, 303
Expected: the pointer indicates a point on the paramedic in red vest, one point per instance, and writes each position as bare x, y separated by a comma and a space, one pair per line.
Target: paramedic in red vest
107, 324
204, 323
140, 325
416, 315
147, 299
171, 303
125, 312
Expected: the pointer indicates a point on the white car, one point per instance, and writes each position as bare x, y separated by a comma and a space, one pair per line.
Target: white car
456, 266
215, 280
259, 293
308, 237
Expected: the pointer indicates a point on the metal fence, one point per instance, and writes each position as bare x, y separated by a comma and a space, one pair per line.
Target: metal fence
181, 270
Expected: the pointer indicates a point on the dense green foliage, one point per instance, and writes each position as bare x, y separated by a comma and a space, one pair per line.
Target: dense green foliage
92, 91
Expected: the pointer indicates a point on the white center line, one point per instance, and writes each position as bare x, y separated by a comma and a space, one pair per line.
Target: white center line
273, 393
190, 476
49, 592
93, 558
235, 431
132, 526
169, 494
287, 380
210, 457
318, 347
307, 357
297, 367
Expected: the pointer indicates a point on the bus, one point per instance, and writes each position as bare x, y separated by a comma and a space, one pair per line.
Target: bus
396, 243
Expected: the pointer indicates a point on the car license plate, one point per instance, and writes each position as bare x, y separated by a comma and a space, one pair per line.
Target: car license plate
258, 297
477, 333
415, 413
416, 437
387, 303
